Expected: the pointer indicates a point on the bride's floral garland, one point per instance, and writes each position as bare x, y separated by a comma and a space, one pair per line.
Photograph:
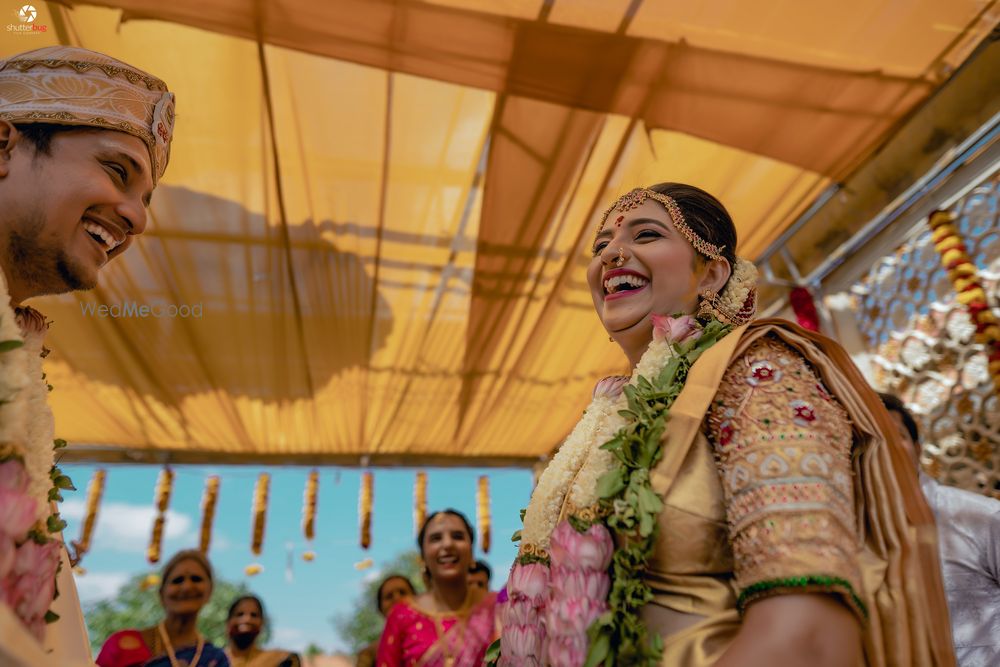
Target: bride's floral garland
563, 608
29, 480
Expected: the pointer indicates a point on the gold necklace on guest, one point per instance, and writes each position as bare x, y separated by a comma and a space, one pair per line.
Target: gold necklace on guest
170, 647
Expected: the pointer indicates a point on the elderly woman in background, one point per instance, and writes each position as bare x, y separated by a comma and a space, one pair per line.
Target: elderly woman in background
185, 588
244, 624
452, 624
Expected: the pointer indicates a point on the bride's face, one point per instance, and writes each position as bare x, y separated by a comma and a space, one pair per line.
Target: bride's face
659, 272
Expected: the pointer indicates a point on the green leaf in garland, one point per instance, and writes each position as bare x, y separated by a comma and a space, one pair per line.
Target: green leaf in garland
611, 483
51, 616
54, 524
8, 345
516, 537
63, 482
669, 372
492, 654
649, 501
597, 653
59, 443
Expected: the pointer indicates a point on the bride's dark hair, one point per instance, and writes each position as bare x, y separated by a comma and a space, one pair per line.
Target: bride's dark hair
705, 215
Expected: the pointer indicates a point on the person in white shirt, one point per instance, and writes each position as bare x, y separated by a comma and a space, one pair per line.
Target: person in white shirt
969, 541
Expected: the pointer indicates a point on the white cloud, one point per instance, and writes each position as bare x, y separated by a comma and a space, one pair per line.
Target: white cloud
95, 586
126, 527
292, 639
371, 575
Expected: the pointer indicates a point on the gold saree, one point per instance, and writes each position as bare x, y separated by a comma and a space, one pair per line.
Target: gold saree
783, 473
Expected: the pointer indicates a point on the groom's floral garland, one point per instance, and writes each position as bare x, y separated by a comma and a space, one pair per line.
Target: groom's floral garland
29, 479
563, 608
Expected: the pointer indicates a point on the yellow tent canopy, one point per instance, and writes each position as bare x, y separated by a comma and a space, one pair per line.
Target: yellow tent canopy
378, 213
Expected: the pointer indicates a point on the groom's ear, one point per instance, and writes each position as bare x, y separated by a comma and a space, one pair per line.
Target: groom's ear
9, 139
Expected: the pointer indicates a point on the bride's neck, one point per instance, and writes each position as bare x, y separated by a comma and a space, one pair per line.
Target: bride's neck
634, 343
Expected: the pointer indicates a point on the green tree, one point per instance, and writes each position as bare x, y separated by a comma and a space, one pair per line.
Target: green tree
363, 626
312, 651
137, 607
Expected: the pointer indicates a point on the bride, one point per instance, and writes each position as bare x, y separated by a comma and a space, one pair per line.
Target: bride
739, 498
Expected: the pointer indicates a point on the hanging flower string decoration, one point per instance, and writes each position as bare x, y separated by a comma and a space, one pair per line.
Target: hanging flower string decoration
309, 497
30, 482
573, 598
260, 493
95, 491
209, 499
419, 501
969, 289
164, 487
365, 497
483, 513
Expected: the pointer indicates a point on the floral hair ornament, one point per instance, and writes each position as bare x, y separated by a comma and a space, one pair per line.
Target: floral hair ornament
737, 303
638, 197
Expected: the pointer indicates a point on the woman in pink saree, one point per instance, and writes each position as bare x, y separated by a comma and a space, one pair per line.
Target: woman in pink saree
451, 625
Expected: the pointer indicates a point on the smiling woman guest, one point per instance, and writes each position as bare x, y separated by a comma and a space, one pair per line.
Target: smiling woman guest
452, 624
185, 588
244, 624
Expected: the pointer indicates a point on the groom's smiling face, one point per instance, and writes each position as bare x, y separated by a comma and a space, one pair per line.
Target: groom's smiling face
70, 204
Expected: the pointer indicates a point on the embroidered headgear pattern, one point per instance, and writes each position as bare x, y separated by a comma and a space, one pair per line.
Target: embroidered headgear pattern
67, 85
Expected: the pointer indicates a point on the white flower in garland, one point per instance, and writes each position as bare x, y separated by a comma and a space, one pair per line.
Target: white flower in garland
743, 279
25, 416
548, 497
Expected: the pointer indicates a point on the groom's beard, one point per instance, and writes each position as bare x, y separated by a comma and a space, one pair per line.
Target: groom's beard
41, 268
244, 640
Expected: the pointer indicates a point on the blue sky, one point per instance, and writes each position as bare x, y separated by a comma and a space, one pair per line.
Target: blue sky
300, 609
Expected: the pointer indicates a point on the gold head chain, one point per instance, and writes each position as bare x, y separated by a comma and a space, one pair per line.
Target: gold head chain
637, 197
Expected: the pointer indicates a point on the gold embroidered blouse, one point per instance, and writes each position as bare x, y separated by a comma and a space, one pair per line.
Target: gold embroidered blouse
783, 448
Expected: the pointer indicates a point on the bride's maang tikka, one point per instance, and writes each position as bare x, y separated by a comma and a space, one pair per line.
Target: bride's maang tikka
638, 196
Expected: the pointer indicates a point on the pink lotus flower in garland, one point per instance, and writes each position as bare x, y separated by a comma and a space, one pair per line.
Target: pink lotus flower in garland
30, 586
523, 639
580, 584
675, 330
28, 569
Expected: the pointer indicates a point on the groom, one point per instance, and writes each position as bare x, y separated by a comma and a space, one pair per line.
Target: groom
84, 139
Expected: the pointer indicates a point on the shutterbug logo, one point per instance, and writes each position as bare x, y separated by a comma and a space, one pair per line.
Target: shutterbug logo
27, 23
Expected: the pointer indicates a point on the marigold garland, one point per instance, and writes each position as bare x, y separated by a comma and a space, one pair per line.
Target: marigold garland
483, 513
968, 287
419, 502
365, 497
95, 491
309, 505
164, 487
208, 501
260, 492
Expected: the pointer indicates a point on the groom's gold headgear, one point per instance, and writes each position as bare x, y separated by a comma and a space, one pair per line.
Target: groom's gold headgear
67, 85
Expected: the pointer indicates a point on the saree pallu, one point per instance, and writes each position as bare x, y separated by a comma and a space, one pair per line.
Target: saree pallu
774, 504
128, 648
416, 638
